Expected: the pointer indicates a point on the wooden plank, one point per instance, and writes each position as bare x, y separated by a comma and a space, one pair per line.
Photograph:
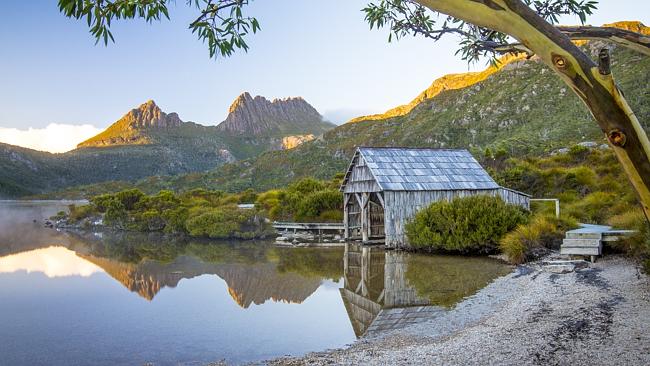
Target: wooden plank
364, 217
580, 251
346, 224
381, 199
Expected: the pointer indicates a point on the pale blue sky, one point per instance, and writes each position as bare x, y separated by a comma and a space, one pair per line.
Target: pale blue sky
51, 71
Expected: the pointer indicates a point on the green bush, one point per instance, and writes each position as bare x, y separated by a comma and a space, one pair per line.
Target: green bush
175, 219
129, 198
638, 244
472, 224
78, 213
102, 202
225, 222
116, 214
311, 206
306, 186
150, 220
522, 244
596, 207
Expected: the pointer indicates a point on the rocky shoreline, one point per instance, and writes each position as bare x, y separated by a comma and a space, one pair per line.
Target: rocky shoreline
536, 315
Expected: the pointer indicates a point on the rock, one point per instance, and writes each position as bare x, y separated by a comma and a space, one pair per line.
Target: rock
560, 268
281, 238
564, 266
588, 144
289, 142
257, 116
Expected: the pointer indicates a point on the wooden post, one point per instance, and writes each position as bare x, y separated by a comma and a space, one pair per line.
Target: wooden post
557, 208
364, 217
346, 222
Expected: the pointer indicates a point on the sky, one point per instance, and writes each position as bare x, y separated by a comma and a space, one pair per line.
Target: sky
58, 88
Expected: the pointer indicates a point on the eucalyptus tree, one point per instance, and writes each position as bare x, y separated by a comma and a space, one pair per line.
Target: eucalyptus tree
485, 28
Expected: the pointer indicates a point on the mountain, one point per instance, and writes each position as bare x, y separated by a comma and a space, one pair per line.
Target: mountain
520, 106
128, 129
148, 142
258, 116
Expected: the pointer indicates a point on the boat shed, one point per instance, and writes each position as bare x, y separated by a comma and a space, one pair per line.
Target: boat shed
385, 186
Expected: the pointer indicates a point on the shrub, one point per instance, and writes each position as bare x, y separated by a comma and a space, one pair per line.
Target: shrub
226, 222
129, 198
637, 244
472, 224
316, 203
78, 213
542, 232
306, 185
116, 214
594, 208
175, 219
102, 201
247, 196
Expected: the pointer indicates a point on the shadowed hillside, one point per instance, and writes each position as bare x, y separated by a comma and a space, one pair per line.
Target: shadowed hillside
149, 142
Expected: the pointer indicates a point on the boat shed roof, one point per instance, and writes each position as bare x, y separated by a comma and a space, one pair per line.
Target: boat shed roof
416, 169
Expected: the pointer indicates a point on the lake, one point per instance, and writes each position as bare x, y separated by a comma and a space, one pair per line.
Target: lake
133, 299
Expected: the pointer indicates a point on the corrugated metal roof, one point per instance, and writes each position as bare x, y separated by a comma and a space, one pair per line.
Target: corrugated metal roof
408, 169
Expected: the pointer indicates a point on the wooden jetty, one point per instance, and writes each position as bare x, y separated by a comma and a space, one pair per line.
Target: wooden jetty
588, 240
307, 226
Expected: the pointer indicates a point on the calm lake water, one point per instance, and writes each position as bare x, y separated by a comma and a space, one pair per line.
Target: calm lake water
89, 299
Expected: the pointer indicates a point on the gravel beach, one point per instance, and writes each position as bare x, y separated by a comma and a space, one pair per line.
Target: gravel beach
599, 315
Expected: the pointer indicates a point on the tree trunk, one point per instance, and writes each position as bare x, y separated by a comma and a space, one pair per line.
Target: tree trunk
594, 84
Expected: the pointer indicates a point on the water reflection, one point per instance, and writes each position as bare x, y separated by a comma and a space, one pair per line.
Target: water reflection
51, 261
238, 300
386, 290
254, 272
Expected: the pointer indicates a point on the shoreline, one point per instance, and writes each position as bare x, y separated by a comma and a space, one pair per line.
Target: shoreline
532, 316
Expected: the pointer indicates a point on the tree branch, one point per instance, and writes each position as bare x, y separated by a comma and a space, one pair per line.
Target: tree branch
636, 41
599, 92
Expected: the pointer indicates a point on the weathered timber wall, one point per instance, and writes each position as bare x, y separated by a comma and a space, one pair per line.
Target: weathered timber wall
361, 179
401, 206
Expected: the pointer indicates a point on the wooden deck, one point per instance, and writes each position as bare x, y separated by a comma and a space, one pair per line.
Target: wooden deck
588, 240
308, 226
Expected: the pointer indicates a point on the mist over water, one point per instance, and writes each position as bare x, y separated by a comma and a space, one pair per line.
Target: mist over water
22, 225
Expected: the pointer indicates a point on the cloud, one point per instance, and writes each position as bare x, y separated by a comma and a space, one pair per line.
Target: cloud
54, 138
52, 261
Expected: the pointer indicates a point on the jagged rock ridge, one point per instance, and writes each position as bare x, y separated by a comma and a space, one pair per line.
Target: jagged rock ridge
259, 116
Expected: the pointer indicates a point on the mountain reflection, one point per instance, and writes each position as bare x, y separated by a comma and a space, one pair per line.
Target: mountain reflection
254, 272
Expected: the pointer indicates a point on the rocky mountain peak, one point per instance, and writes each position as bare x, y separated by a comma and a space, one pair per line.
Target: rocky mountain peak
149, 115
130, 129
257, 115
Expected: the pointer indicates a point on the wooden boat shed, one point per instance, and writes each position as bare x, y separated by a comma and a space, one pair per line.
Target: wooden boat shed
384, 187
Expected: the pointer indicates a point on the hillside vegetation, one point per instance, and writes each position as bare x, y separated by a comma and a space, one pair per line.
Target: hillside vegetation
147, 142
523, 109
